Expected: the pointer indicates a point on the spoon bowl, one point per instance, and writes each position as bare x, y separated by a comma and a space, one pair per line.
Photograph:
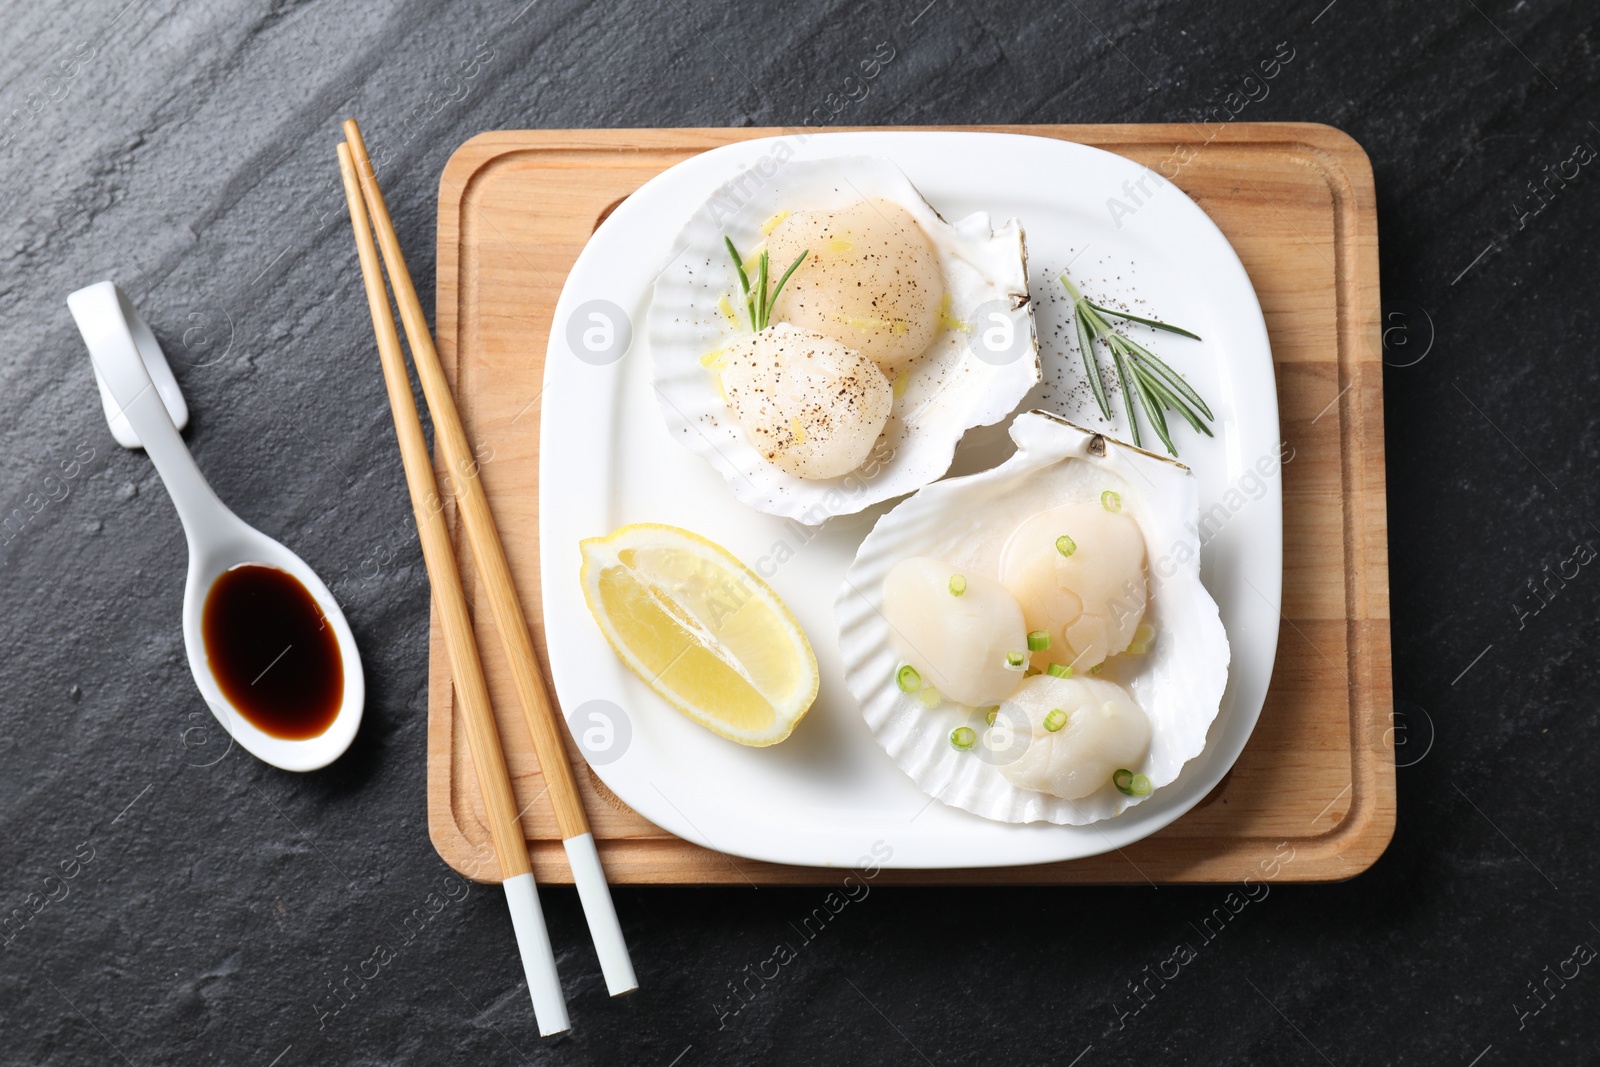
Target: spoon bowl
247, 545
123, 350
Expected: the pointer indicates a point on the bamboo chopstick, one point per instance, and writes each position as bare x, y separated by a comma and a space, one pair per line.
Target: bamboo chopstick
543, 721
483, 739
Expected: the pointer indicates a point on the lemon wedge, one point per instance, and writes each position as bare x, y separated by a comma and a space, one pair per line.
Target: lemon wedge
701, 629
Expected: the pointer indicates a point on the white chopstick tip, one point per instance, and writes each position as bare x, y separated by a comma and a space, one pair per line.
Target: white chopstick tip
538, 959
604, 929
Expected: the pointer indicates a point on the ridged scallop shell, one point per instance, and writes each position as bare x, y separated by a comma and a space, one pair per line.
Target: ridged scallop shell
965, 521
949, 389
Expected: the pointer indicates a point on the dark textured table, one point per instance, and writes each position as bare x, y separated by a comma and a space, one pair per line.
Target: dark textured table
166, 903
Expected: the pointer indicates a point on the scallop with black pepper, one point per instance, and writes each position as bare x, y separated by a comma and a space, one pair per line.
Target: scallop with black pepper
812, 406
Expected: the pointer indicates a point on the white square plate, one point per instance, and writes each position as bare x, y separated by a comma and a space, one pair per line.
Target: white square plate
828, 794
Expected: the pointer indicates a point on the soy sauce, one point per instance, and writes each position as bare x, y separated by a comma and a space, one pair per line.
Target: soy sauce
273, 654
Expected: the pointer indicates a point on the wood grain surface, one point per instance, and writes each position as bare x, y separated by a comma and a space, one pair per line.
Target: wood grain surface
1315, 782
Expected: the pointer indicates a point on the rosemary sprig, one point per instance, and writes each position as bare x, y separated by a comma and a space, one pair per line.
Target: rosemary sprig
1150, 385
758, 302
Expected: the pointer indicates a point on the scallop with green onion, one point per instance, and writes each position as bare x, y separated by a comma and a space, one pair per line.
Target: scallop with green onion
1078, 572
1080, 732
1120, 662
968, 646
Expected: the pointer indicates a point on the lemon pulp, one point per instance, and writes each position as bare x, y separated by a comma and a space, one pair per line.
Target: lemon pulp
701, 629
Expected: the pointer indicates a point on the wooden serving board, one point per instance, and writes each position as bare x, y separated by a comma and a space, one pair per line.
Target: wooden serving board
1315, 783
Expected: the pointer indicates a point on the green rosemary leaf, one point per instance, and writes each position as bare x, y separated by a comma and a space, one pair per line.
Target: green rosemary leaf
1091, 366
738, 265
1182, 406
1158, 385
1130, 391
744, 282
1148, 322
1178, 383
1097, 322
1152, 406
1167, 399
1149, 385
761, 291
801, 258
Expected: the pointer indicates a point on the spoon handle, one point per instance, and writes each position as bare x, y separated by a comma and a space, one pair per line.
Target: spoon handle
102, 312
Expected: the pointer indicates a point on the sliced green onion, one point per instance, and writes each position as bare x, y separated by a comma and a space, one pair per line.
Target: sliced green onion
1111, 500
1097, 668
1059, 670
1016, 660
1066, 545
963, 737
1134, 785
1038, 640
930, 697
958, 585
1055, 720
908, 679
1142, 637
990, 715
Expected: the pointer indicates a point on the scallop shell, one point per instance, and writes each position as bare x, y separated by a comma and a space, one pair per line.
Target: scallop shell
965, 521
956, 385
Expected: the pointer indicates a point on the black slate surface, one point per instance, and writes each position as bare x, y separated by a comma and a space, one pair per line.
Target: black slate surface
187, 151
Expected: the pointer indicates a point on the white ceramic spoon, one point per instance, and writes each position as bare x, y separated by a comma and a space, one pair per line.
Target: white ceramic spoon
124, 351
